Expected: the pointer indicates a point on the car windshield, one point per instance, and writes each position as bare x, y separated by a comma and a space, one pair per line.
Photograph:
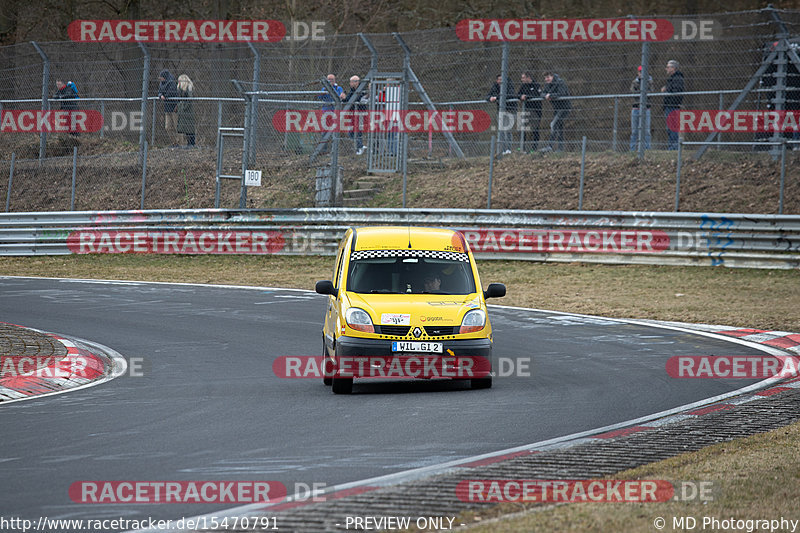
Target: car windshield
410, 275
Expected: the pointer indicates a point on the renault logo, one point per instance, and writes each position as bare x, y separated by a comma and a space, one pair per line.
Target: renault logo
417, 332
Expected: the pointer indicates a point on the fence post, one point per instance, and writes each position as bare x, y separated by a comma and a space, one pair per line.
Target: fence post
254, 102
144, 173
220, 149
783, 176
103, 116
245, 149
504, 144
583, 169
45, 102
219, 114
643, 109
153, 123
143, 108
678, 176
74, 172
614, 128
491, 171
10, 180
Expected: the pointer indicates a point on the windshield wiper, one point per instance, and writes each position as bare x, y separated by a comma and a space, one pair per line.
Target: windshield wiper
384, 291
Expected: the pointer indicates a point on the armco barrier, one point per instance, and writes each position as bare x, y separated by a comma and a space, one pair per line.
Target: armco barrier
736, 240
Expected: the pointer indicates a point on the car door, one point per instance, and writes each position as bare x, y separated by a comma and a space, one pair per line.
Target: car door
331, 313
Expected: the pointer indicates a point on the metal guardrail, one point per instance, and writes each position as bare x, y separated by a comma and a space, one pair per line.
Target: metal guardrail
715, 239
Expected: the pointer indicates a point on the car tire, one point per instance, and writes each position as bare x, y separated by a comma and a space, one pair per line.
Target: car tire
327, 367
342, 385
481, 383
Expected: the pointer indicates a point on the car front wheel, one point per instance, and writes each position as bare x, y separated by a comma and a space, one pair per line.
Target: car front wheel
481, 383
340, 385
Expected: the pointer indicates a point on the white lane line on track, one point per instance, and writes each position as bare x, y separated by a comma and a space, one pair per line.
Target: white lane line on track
558, 442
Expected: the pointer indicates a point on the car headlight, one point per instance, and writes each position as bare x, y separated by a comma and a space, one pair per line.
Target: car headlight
473, 321
359, 320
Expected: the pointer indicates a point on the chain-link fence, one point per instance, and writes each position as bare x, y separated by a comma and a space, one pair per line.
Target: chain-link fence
121, 81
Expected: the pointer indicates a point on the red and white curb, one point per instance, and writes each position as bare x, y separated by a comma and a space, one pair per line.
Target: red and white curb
80, 368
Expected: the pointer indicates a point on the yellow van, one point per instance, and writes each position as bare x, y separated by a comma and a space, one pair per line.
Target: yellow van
406, 302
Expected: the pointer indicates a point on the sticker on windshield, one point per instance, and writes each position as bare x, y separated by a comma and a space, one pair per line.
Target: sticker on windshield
396, 319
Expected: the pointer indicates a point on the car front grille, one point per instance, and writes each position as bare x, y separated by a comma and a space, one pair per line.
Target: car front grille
399, 331
438, 331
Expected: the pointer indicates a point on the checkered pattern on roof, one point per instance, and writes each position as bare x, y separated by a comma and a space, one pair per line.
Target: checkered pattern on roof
435, 254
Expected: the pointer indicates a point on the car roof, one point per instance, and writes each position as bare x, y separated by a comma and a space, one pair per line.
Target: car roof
408, 237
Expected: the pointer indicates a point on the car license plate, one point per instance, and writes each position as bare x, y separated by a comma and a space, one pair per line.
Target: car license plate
399, 346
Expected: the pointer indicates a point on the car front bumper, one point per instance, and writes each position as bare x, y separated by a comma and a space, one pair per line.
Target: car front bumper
460, 359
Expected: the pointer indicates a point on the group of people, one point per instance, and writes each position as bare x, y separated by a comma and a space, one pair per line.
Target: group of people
530, 96
525, 106
179, 113
178, 109
388, 98
175, 95
674, 88
360, 103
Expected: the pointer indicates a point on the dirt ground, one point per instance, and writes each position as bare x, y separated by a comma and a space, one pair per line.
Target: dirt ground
109, 176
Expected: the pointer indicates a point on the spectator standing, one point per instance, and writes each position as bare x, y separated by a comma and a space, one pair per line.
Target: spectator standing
67, 93
529, 95
185, 108
167, 92
360, 100
556, 92
326, 97
636, 86
674, 98
506, 137
328, 106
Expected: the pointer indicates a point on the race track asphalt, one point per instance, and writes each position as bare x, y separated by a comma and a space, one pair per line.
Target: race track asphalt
209, 407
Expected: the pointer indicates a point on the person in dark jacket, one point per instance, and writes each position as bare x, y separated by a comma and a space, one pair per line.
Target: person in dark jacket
636, 86
674, 98
185, 108
167, 92
360, 105
67, 93
556, 92
506, 137
529, 95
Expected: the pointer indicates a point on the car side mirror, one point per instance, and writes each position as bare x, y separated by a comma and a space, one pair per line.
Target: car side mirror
326, 287
494, 290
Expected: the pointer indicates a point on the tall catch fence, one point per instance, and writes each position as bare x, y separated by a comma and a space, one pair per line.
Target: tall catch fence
431, 68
